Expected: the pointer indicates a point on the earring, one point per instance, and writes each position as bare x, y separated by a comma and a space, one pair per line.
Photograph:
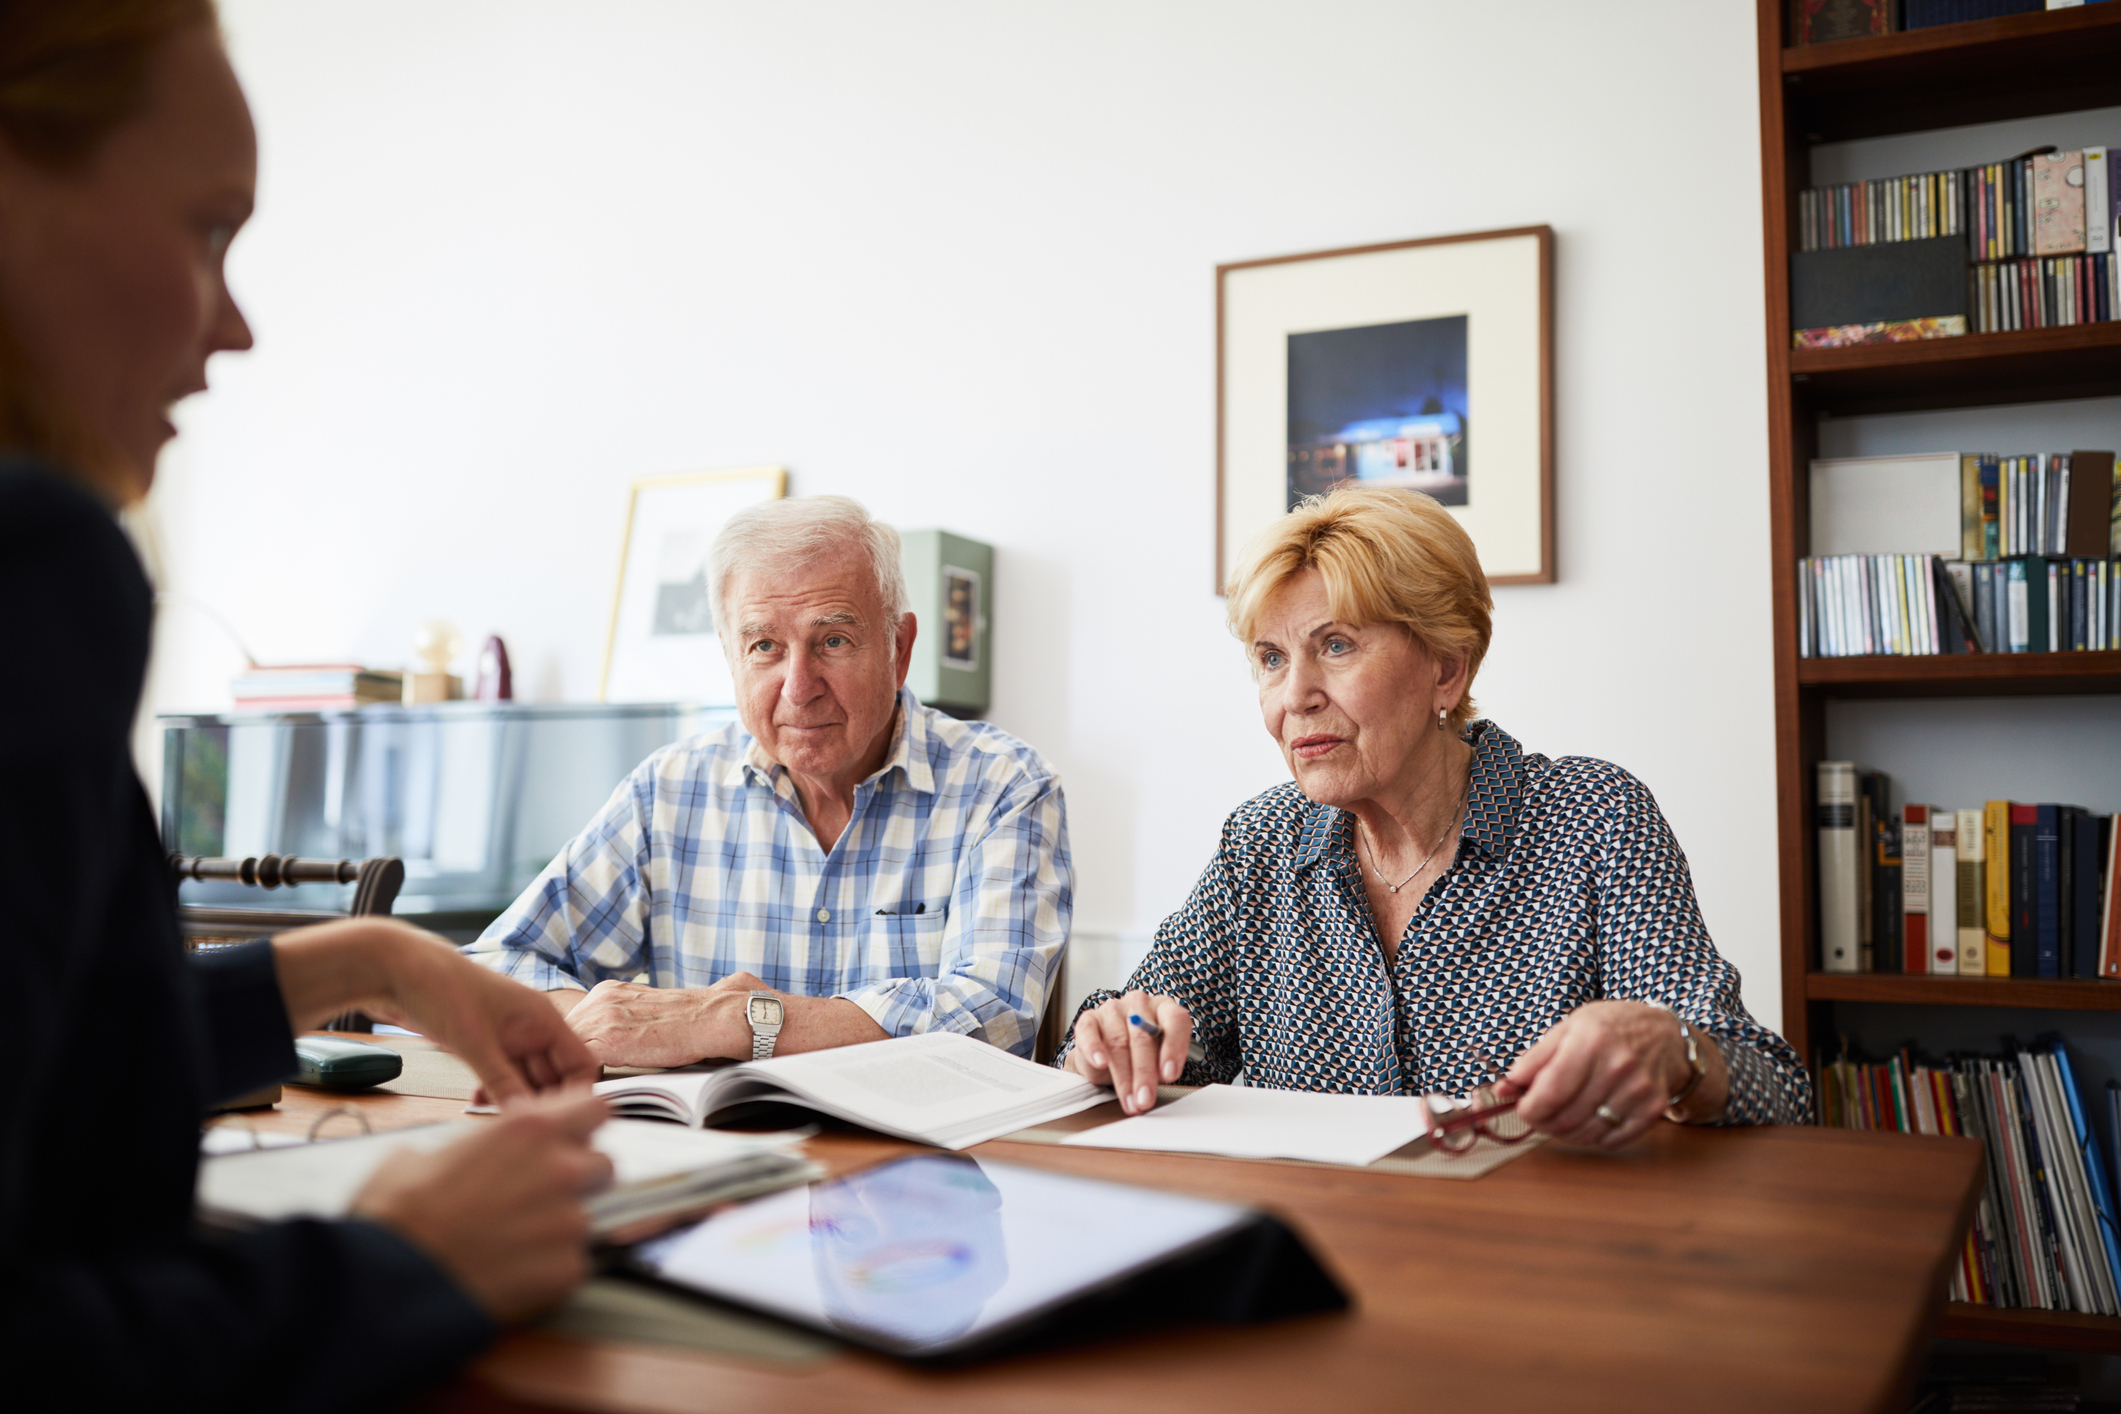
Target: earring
1441, 715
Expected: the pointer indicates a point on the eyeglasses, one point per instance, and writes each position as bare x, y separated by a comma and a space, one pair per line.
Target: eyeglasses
1456, 1125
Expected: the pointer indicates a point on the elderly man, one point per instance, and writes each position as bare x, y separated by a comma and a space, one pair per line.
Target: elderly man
841, 865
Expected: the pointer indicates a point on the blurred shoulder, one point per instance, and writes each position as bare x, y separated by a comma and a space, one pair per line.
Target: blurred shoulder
44, 517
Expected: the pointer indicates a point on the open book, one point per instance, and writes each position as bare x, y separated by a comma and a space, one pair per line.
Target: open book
656, 1171
939, 1088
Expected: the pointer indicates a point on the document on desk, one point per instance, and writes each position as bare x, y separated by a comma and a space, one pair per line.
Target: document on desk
1245, 1122
657, 1169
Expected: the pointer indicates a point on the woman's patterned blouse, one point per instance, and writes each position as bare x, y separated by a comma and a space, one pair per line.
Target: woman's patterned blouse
1568, 888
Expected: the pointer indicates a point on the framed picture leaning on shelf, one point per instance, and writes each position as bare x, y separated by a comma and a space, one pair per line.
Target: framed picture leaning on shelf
1386, 365
662, 646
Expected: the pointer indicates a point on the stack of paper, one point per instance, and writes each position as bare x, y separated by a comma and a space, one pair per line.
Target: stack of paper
656, 1169
1251, 1123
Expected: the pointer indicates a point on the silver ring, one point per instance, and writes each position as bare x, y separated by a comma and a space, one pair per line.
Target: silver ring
1605, 1112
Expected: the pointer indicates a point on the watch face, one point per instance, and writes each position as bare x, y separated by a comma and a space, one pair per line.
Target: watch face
764, 1011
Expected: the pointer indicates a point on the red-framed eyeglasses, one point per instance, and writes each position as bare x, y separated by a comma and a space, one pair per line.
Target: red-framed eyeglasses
1456, 1125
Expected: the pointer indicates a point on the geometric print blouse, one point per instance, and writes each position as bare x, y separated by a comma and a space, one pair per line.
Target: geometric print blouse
1568, 888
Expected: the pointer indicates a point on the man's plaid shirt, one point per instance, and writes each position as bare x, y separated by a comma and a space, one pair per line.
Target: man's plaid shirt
944, 905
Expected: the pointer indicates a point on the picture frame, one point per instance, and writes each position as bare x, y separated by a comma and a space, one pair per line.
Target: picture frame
662, 645
1376, 364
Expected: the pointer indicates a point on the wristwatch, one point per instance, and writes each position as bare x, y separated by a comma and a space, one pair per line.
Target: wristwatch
765, 1013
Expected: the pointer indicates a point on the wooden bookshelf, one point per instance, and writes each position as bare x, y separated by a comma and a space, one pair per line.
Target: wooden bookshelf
1963, 675
1917, 990
1985, 71
2014, 366
2053, 1330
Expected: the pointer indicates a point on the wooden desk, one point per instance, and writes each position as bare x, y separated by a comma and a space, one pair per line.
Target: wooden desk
1767, 1269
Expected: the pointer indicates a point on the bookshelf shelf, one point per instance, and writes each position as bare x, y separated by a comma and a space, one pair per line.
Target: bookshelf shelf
1978, 72
2052, 1330
1963, 675
2022, 66
2017, 366
1963, 991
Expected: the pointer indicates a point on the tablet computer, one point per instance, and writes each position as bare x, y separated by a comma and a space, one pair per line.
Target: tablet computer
939, 1256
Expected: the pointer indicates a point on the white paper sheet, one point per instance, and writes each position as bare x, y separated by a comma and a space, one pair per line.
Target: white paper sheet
1250, 1123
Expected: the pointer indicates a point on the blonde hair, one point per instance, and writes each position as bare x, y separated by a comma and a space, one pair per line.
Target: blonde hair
71, 73
1387, 557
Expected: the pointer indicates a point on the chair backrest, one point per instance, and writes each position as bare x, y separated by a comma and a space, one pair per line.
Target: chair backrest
376, 883
1054, 1022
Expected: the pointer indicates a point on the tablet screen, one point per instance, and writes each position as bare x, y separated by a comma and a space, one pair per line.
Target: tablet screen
931, 1252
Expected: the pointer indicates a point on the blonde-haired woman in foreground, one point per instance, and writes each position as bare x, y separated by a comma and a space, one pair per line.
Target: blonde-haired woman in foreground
1425, 896
127, 161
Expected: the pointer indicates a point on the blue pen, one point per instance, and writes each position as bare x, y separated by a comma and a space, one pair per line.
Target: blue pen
1195, 1051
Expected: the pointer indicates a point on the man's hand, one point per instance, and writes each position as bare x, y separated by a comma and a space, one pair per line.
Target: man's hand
501, 1209
511, 1037
625, 1023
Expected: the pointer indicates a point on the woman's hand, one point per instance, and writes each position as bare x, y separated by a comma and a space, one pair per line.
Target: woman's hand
501, 1209
1110, 1050
512, 1038
1604, 1074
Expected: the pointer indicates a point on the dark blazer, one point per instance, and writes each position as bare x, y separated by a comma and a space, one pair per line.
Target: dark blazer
114, 1042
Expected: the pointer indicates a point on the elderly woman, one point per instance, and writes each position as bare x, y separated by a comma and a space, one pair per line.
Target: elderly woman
1426, 895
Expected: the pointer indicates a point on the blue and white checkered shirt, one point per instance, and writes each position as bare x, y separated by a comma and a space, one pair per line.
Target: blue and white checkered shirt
943, 906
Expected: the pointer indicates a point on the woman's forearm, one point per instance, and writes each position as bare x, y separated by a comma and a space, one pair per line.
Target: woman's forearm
334, 967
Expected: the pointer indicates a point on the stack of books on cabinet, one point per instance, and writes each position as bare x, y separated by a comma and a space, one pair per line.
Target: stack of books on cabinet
1963, 586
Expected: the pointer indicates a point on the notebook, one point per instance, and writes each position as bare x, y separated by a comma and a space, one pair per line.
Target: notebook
657, 1171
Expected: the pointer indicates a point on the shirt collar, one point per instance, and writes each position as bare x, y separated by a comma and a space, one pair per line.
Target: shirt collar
1493, 789
909, 753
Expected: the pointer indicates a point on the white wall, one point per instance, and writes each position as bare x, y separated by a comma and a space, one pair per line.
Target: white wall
957, 259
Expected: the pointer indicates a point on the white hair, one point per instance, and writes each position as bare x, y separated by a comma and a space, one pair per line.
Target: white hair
798, 529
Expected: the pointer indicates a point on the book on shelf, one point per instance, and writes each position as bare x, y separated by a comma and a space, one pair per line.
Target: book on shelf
1839, 901
1970, 898
309, 687
2022, 243
2043, 1235
2110, 906
1969, 506
2008, 889
1820, 21
1927, 14
2024, 545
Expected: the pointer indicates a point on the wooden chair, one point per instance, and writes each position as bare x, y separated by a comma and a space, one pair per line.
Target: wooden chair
376, 883
1054, 1022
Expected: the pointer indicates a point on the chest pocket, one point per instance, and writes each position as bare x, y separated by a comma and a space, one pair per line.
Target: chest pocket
907, 944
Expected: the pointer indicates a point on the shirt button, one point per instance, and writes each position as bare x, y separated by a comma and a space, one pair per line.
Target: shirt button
824, 915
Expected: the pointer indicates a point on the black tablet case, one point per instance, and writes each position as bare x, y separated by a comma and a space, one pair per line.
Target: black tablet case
1259, 1271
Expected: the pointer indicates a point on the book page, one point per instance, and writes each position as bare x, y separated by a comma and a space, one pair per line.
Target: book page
928, 1084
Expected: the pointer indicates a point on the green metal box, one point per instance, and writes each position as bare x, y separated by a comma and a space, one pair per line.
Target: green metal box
951, 582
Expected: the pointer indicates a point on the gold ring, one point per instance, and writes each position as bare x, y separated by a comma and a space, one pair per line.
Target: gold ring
1605, 1112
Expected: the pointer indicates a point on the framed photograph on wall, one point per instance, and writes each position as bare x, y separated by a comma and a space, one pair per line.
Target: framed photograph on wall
662, 646
1387, 365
